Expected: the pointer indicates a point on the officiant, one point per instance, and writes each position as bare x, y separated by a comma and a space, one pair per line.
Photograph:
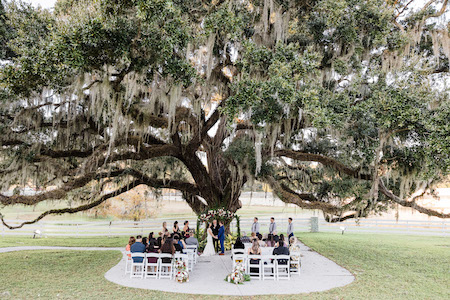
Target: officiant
215, 231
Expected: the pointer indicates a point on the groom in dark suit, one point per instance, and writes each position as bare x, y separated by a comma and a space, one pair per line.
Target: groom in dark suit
215, 231
221, 236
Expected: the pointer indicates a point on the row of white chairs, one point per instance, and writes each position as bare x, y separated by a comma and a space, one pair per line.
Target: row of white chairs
164, 267
265, 267
158, 269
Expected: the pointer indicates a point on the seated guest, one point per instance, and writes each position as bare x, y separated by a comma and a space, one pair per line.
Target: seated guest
254, 237
145, 242
191, 240
238, 244
260, 241
176, 244
245, 239
182, 243
138, 247
131, 241
159, 242
281, 250
151, 238
151, 249
270, 242
281, 240
254, 250
294, 248
167, 248
276, 239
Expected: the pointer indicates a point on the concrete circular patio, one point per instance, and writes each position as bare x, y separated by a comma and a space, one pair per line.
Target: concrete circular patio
318, 274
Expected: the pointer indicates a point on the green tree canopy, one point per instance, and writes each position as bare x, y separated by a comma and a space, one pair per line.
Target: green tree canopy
339, 105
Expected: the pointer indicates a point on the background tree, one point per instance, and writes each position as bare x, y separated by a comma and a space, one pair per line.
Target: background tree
339, 105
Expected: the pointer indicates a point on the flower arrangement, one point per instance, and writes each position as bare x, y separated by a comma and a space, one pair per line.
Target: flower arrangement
218, 214
238, 276
182, 274
230, 239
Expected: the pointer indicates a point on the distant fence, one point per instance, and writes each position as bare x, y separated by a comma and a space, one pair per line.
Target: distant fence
126, 228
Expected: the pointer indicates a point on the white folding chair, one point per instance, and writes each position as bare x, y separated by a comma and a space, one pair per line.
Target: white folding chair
282, 267
178, 257
269, 268
151, 268
191, 256
128, 261
137, 265
295, 264
165, 268
195, 248
237, 251
240, 259
254, 265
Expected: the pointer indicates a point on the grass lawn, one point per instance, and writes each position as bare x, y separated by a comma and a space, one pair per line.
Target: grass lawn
386, 267
15, 241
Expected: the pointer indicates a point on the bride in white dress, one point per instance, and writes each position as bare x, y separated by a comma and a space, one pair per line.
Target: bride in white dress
209, 249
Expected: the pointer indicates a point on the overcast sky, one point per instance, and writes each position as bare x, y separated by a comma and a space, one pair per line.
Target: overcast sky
417, 3
43, 3
51, 3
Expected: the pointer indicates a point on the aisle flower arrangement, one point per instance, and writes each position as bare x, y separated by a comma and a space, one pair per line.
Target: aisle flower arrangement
182, 274
238, 276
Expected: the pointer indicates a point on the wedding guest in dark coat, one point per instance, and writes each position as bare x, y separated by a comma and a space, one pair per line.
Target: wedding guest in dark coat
152, 249
138, 247
238, 244
281, 249
167, 248
176, 244
151, 237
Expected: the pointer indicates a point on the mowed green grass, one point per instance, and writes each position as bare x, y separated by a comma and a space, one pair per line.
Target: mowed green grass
17, 241
386, 267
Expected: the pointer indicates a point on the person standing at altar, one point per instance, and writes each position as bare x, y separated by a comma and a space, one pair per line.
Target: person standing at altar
185, 229
221, 236
255, 226
272, 226
290, 229
215, 231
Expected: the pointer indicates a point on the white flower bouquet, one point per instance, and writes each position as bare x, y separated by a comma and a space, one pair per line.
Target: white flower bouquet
182, 274
238, 276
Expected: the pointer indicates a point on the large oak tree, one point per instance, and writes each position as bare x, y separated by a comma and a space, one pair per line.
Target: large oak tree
338, 105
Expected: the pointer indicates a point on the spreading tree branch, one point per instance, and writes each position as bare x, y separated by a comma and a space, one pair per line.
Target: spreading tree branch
59, 192
412, 204
84, 207
303, 200
325, 160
